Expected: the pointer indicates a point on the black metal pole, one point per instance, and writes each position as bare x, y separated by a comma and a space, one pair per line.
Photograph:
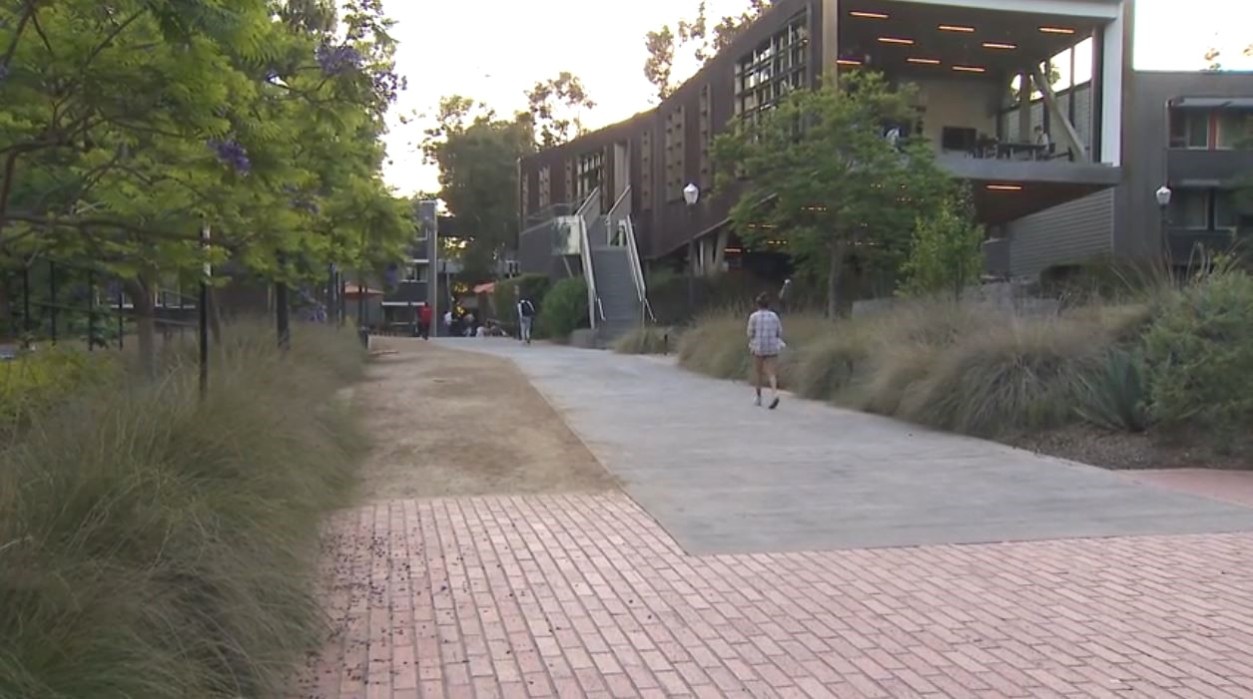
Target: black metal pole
121, 316
202, 308
52, 293
91, 311
27, 327
282, 318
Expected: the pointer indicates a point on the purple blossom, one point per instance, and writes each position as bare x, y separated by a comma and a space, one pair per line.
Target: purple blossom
231, 153
337, 59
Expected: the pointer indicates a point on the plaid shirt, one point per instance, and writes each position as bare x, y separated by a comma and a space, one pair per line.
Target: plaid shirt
765, 334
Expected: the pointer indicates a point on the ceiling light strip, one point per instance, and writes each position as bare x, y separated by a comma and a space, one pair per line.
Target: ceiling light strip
970, 69
925, 61
868, 15
896, 40
999, 46
961, 28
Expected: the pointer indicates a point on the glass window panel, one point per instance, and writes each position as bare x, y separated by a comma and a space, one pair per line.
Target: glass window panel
1234, 129
1190, 209
1226, 212
1198, 129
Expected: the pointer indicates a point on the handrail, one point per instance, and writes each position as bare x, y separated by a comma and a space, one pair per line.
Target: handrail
594, 307
637, 272
616, 214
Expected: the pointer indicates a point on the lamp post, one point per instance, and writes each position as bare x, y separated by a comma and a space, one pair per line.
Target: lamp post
1163, 195
691, 195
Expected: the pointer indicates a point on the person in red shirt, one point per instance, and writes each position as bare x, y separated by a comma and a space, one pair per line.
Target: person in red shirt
425, 316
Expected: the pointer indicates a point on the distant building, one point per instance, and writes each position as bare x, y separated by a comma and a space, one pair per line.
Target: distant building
1113, 137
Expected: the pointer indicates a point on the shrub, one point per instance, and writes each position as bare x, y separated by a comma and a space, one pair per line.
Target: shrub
36, 381
1116, 396
1199, 353
946, 254
646, 340
1019, 375
564, 309
829, 364
153, 544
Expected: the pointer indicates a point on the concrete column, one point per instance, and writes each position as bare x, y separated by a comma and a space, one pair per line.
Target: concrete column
1024, 107
720, 251
830, 18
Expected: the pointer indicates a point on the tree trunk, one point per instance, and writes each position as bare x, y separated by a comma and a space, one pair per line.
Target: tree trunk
139, 291
835, 276
215, 317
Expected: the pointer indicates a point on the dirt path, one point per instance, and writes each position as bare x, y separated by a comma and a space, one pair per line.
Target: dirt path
458, 423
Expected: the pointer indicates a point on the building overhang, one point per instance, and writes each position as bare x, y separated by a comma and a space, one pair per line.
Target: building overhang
1101, 9
971, 38
1007, 191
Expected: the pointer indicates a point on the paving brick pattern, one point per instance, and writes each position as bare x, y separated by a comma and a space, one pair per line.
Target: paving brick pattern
585, 596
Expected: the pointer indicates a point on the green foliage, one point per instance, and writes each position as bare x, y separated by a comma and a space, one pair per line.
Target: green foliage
478, 176
37, 381
649, 339
508, 291
156, 545
1116, 396
821, 177
564, 309
129, 125
669, 293
1199, 352
947, 252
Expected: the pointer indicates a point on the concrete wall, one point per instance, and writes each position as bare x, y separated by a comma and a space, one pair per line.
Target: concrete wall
1078, 231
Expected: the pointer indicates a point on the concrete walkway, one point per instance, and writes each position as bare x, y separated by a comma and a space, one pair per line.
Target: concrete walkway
722, 476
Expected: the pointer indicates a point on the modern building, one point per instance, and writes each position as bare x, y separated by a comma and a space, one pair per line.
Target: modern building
991, 76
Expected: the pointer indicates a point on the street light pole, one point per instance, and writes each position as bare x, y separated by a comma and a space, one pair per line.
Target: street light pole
1163, 196
691, 195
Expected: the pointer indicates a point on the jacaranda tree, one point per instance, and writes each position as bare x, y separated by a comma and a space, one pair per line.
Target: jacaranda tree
127, 126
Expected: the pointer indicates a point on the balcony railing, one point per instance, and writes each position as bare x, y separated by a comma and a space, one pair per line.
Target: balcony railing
1208, 167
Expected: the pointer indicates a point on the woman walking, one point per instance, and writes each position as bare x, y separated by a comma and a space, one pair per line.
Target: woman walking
765, 342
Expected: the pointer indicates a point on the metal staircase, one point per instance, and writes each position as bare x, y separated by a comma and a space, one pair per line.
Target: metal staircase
619, 275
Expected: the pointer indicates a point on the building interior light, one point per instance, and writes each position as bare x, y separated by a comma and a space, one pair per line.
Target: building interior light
868, 15
970, 69
925, 61
999, 46
1005, 187
1057, 30
847, 62
957, 28
896, 40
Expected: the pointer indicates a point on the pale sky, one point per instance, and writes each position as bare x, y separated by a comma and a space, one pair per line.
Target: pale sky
493, 50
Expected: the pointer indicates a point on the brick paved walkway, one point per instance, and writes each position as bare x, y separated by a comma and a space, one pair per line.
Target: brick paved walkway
585, 596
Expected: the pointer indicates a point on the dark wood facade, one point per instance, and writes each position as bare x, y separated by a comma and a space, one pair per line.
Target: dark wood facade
667, 147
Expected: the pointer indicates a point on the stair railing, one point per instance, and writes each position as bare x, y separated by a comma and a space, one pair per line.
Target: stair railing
588, 213
637, 271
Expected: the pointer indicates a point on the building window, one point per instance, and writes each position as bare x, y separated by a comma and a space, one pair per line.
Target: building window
706, 139
545, 187
1189, 128
646, 170
1235, 129
569, 183
415, 273
675, 126
526, 193
591, 174
1204, 210
776, 67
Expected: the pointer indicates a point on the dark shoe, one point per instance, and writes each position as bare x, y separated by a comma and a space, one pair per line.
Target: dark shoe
774, 403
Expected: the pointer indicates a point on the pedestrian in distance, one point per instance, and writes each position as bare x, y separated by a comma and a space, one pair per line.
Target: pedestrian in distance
765, 343
425, 316
526, 319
